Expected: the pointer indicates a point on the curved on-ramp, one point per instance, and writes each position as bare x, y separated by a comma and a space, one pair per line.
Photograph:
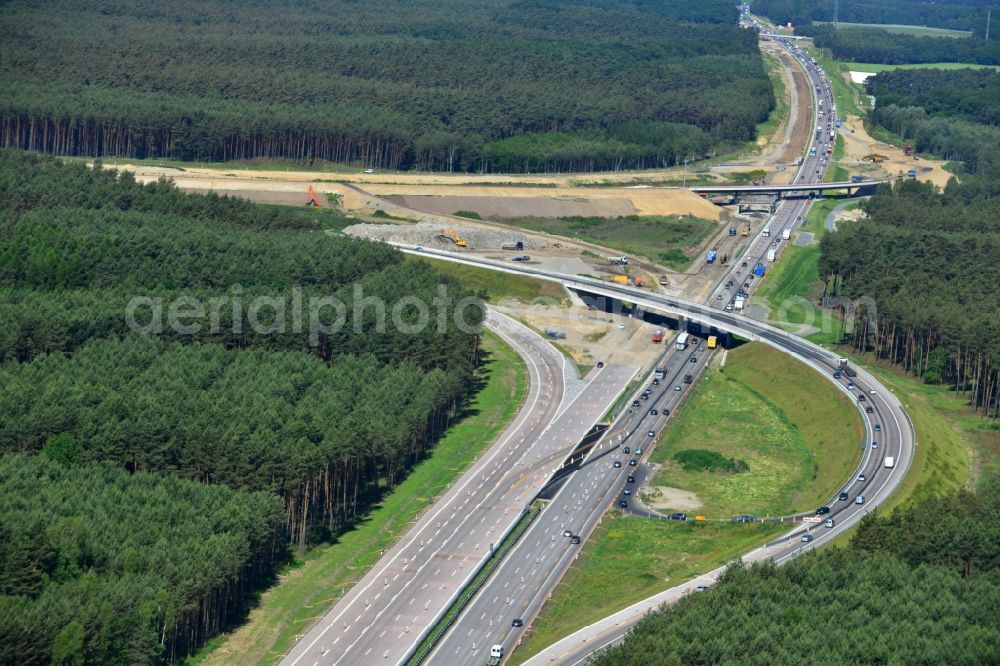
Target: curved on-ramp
897, 439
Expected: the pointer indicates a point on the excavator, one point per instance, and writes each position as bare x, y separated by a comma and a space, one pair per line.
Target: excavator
453, 237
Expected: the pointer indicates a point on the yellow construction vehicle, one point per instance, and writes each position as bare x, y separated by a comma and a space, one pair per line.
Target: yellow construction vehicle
875, 158
454, 238
745, 231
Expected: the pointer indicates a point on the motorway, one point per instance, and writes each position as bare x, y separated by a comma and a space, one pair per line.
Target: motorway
518, 588
384, 615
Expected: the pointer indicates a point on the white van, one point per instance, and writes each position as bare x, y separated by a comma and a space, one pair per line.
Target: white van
890, 461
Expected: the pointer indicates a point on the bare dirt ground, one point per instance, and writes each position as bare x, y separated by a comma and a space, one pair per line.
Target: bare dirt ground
858, 145
665, 498
550, 201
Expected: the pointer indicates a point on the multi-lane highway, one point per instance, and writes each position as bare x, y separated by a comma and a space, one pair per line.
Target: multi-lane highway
382, 618
586, 493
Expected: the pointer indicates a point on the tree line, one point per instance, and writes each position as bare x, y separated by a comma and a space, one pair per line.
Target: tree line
891, 48
298, 436
953, 15
447, 85
963, 94
919, 587
99, 566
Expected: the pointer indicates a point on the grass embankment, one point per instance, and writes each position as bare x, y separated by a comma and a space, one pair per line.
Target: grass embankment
798, 434
670, 241
767, 131
914, 30
628, 559
498, 285
875, 67
315, 582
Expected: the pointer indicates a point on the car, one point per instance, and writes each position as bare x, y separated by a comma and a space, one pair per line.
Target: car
871, 391
618, 463
369, 170
653, 412
623, 504
567, 533
645, 396
842, 497
719, 297
621, 324
656, 382
850, 385
860, 499
632, 462
829, 522
822, 510
635, 403
574, 539
693, 359
627, 491
862, 478
677, 387
806, 538
861, 398
877, 427
774, 243
746, 284
600, 364
630, 479
419, 248
666, 412
701, 588
626, 450
744, 264
651, 433
678, 516
744, 518
869, 409
874, 445
518, 622
729, 307
638, 450
836, 374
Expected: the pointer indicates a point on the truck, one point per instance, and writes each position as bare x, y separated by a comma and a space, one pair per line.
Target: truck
770, 255
821, 104
710, 257
618, 261
856, 179
682, 341
660, 373
738, 304
496, 655
846, 368
767, 232
812, 150
786, 234
759, 270
889, 461
713, 342
833, 135
908, 150
657, 336
517, 247
626, 280
819, 132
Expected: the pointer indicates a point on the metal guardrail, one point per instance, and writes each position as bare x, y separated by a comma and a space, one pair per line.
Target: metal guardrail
488, 567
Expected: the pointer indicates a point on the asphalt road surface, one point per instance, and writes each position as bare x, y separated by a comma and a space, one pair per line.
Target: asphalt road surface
381, 618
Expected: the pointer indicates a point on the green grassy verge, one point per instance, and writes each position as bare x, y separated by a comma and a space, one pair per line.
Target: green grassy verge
669, 241
799, 435
875, 67
915, 30
316, 581
496, 285
628, 559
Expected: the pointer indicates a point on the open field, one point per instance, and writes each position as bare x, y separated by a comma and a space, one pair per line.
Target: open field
669, 241
798, 434
875, 68
630, 558
914, 30
314, 582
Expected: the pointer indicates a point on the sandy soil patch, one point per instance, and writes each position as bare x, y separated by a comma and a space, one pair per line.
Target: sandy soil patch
666, 498
859, 145
644, 201
510, 207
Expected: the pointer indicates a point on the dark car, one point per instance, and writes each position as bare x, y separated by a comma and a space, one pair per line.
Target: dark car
626, 450
618, 463
666, 412
693, 359
632, 463
630, 479
600, 364
678, 516
623, 504
651, 433
744, 518
627, 491
869, 410
635, 403
656, 382
518, 622
822, 510
836, 374
653, 412
574, 539
861, 398
878, 427
843, 497
807, 537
